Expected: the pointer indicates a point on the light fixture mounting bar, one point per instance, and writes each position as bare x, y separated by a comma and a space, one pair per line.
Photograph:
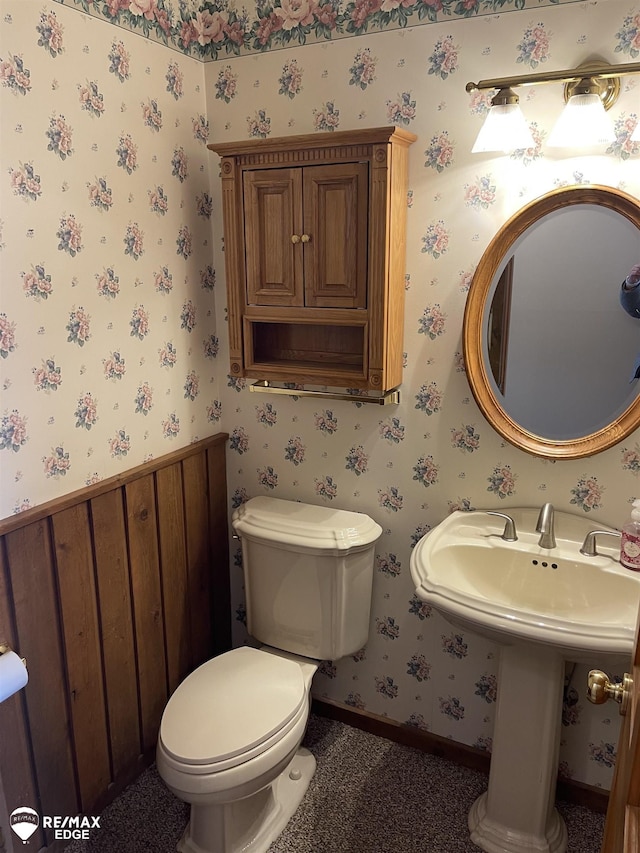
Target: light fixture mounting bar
589, 69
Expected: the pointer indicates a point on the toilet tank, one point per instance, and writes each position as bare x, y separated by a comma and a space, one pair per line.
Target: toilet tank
308, 573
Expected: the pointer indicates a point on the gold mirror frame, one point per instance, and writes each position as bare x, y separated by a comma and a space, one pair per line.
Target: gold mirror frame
474, 321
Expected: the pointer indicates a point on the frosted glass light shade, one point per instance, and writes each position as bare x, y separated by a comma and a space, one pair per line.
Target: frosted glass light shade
505, 129
583, 122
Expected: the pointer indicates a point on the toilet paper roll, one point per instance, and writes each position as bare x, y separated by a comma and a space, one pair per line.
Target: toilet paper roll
13, 675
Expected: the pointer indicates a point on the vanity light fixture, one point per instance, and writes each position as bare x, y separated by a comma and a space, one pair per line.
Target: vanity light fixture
589, 90
584, 120
505, 128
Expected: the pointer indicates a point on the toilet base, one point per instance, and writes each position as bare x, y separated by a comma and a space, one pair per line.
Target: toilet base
252, 824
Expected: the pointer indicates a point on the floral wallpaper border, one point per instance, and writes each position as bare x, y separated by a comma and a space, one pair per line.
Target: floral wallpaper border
211, 31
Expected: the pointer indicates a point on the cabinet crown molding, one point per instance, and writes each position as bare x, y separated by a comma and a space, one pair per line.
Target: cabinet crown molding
310, 141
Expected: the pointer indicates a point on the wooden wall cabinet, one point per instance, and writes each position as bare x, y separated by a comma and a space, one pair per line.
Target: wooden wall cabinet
315, 257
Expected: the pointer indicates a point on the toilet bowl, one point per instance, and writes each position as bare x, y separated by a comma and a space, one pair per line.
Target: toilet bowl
243, 772
230, 737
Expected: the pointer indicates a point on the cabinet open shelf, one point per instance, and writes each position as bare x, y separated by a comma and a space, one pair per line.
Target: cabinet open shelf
313, 348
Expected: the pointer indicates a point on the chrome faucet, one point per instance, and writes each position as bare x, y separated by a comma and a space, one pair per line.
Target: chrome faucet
545, 527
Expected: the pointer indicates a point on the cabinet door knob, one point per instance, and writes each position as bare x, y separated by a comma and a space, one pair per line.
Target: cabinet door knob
295, 238
305, 238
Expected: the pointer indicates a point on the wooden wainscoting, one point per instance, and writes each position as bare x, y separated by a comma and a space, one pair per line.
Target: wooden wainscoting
113, 594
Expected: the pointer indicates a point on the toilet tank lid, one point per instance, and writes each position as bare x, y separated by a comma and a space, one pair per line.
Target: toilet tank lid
304, 526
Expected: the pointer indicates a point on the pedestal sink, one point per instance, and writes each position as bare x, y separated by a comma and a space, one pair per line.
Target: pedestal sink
543, 607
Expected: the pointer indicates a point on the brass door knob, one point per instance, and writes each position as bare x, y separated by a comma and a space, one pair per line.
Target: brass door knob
305, 238
295, 238
600, 689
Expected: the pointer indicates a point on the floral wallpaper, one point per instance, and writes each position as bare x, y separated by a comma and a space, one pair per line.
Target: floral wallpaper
107, 322
113, 342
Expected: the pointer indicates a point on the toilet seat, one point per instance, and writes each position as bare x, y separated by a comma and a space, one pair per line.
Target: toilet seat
231, 709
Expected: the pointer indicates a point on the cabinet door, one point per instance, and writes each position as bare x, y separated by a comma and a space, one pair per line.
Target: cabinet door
272, 231
335, 235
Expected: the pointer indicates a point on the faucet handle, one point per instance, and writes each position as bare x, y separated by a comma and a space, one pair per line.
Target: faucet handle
589, 544
509, 534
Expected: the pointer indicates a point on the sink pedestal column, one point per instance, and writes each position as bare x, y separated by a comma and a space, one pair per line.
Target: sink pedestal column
517, 814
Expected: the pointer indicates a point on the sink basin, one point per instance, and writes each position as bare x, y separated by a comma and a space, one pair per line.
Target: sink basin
517, 591
543, 607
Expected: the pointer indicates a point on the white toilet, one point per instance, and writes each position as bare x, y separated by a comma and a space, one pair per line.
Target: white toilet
230, 735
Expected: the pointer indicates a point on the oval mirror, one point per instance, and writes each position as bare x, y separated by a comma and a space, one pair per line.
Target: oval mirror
552, 356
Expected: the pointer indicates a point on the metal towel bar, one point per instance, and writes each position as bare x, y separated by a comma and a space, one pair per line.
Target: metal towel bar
389, 398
